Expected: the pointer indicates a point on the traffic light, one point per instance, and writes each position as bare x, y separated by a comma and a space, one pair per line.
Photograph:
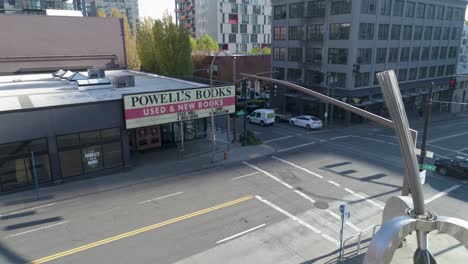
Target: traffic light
273, 90
452, 83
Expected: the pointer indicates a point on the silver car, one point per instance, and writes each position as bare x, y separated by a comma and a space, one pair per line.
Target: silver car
309, 122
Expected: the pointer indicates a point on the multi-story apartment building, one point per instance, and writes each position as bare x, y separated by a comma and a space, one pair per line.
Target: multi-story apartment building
30, 6
237, 25
351, 40
460, 95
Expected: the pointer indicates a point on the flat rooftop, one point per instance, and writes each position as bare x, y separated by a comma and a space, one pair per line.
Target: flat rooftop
20, 92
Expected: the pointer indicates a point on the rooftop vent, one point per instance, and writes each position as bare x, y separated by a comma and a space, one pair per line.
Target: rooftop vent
93, 82
67, 75
59, 73
96, 73
124, 81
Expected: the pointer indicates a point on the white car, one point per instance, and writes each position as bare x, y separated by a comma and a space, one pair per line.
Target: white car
309, 122
262, 117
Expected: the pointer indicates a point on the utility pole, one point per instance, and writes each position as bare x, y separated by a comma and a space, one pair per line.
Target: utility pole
244, 94
213, 132
234, 80
426, 127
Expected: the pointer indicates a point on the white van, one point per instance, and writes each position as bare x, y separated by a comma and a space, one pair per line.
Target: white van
262, 117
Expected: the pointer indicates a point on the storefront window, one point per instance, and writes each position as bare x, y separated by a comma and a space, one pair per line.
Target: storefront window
16, 169
89, 151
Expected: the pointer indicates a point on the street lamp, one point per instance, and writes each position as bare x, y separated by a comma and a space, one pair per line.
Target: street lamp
213, 134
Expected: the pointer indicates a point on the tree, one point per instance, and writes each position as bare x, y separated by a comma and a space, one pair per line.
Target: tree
206, 44
172, 46
266, 51
146, 46
101, 13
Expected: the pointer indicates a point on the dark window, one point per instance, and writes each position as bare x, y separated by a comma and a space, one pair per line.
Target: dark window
427, 33
279, 54
432, 71
339, 7
368, 6
405, 53
383, 31
339, 31
279, 73
410, 6
337, 79
243, 28
16, 170
396, 32
295, 75
413, 74
279, 12
295, 54
315, 32
452, 52
232, 38
337, 56
449, 13
398, 8
366, 31
296, 10
418, 32
455, 34
362, 79
407, 32
234, 28
443, 53
316, 8
296, 32
450, 70
437, 33
364, 56
425, 53
422, 73
430, 11
381, 56
385, 7
89, 151
393, 55
279, 33
253, 38
441, 70
421, 10
402, 75
446, 34
415, 53
313, 55
435, 53
440, 12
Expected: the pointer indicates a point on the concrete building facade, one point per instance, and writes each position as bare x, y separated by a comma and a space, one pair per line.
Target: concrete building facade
35, 45
30, 6
237, 25
351, 41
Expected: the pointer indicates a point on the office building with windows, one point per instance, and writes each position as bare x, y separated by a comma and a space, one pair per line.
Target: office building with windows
237, 25
351, 40
30, 6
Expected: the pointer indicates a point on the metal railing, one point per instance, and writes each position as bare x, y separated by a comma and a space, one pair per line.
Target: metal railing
359, 236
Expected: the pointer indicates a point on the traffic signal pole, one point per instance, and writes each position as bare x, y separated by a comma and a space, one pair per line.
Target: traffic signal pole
427, 118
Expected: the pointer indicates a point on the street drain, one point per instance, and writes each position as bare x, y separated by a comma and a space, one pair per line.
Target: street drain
321, 205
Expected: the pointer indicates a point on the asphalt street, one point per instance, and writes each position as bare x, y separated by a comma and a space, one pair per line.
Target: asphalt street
283, 208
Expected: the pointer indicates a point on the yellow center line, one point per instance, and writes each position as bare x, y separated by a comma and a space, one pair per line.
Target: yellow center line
138, 231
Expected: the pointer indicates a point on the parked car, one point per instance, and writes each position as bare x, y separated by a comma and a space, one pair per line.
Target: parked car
309, 122
262, 117
279, 116
451, 167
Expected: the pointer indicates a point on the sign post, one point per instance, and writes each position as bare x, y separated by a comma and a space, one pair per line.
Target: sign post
345, 215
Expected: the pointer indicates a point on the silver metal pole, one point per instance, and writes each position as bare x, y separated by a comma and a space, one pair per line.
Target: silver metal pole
326, 104
228, 132
182, 139
396, 108
213, 132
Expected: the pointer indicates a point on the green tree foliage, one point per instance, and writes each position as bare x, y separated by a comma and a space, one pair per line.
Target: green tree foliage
146, 46
133, 62
172, 48
206, 44
257, 51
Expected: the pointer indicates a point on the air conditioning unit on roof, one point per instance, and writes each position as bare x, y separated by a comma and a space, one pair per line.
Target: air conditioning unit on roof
96, 73
124, 81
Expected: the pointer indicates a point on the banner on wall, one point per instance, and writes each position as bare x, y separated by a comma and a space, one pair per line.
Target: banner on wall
149, 109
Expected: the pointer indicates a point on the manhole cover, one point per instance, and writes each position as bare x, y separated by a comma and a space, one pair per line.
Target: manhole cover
321, 205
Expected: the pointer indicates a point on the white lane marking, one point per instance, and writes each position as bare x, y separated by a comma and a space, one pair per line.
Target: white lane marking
305, 196
159, 198
465, 181
348, 223
447, 137
462, 149
295, 147
247, 175
323, 140
241, 233
298, 167
276, 139
37, 229
367, 199
442, 193
448, 149
334, 183
442, 156
375, 140
27, 209
267, 174
298, 220
335, 138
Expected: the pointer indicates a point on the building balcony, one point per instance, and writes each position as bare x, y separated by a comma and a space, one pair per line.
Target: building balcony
182, 17
188, 25
188, 8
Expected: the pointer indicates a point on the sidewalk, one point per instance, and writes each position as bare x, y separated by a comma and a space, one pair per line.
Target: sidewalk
149, 166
